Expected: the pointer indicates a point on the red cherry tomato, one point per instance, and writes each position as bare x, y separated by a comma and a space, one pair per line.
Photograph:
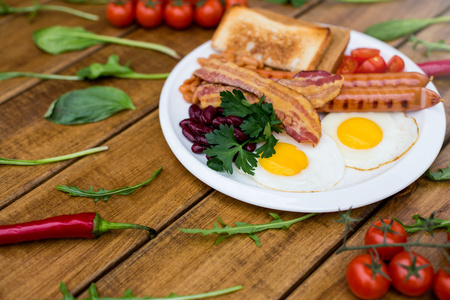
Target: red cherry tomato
413, 285
395, 64
209, 14
229, 3
149, 14
363, 54
361, 281
178, 16
374, 64
441, 284
348, 65
375, 236
120, 13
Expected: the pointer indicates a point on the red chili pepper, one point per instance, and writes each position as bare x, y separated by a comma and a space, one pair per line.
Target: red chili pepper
82, 225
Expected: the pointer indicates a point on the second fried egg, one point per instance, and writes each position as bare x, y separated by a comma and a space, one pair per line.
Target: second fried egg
369, 140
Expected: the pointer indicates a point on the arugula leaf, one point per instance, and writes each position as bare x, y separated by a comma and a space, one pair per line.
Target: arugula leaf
111, 68
431, 46
443, 174
102, 193
250, 229
128, 295
259, 123
88, 105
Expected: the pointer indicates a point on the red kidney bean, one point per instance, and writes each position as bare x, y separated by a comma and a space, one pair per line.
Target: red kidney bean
195, 113
217, 121
186, 122
188, 134
200, 128
197, 148
201, 139
220, 110
250, 147
208, 114
235, 121
240, 135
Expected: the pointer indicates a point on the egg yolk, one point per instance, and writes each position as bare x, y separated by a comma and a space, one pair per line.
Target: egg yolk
287, 161
359, 133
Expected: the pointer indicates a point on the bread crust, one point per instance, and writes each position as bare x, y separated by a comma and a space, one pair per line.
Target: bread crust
280, 42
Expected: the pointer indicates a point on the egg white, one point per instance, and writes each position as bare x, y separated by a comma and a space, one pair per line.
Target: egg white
399, 134
325, 168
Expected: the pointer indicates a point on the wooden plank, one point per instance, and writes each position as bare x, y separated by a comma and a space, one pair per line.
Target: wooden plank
185, 263
25, 134
422, 197
33, 270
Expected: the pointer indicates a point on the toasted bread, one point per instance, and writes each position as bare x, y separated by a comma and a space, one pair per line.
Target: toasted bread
332, 57
280, 42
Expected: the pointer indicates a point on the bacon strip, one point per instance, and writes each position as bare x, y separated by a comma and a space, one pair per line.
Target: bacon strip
299, 118
209, 94
318, 86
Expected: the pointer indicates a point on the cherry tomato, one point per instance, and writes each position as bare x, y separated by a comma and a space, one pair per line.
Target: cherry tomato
178, 16
375, 236
416, 284
209, 14
229, 3
363, 54
361, 281
348, 65
120, 13
395, 64
149, 14
374, 64
441, 284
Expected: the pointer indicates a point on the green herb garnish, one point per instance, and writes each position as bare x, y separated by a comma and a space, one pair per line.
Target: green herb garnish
96, 70
128, 295
6, 9
250, 229
59, 39
431, 46
259, 123
393, 29
102, 193
443, 174
88, 105
23, 162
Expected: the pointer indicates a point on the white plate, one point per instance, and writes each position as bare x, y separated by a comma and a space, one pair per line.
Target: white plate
358, 188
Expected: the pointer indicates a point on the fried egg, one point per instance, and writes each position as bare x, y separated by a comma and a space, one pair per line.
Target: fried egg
369, 140
299, 167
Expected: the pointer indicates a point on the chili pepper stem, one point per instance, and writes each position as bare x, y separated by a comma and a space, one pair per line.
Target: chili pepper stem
101, 226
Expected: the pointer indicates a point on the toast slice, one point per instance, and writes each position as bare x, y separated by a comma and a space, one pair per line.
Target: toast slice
332, 58
278, 41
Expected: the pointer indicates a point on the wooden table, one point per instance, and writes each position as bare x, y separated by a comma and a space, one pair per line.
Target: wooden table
299, 263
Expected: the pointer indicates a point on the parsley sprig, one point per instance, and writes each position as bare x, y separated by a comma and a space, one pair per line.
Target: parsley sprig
259, 123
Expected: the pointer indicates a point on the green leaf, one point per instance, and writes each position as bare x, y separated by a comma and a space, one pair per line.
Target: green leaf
431, 46
88, 105
268, 148
298, 3
249, 229
443, 174
111, 68
102, 193
59, 39
235, 104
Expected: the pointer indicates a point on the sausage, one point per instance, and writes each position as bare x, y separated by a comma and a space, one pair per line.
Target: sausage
382, 99
385, 79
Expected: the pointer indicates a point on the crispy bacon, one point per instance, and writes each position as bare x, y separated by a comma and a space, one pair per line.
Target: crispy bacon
318, 86
299, 118
209, 94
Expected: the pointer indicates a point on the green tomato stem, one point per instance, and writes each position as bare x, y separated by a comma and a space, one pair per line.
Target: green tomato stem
20, 162
127, 42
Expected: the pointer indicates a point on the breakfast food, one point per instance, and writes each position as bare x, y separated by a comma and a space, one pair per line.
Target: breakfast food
369, 140
299, 167
299, 118
278, 41
394, 79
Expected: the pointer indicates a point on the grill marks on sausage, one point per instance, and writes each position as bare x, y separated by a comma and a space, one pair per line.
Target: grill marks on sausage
299, 118
371, 80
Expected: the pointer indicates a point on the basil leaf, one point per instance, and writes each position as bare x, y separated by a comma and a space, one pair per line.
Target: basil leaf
111, 68
59, 39
88, 105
